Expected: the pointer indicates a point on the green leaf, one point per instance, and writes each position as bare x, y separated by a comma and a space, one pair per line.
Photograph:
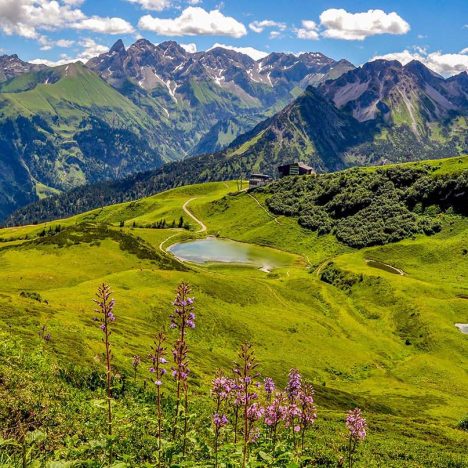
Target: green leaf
35, 437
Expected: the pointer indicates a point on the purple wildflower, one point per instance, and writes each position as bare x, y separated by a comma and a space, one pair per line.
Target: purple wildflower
221, 387
220, 420
105, 306
255, 412
276, 411
158, 371
183, 316
269, 386
294, 384
246, 372
157, 358
356, 424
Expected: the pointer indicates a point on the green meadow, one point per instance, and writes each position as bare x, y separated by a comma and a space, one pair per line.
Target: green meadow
362, 335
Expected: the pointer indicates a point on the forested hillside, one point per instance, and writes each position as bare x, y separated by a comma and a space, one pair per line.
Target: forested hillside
364, 208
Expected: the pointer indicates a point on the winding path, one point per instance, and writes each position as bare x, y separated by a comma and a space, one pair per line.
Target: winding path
264, 209
203, 227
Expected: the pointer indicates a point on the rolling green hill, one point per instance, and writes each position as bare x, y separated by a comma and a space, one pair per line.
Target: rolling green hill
373, 327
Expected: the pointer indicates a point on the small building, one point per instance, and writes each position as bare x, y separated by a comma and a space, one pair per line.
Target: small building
297, 168
257, 180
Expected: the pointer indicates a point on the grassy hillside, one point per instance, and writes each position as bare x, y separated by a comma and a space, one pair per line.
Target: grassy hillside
364, 336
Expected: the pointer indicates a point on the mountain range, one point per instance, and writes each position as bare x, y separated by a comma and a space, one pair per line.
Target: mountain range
135, 108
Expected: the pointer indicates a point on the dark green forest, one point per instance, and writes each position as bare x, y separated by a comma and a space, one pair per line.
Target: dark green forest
363, 208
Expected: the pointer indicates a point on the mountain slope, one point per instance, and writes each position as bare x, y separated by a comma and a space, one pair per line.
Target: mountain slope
382, 112
378, 113
415, 110
65, 126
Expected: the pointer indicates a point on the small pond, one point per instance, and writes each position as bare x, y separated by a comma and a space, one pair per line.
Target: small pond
384, 266
213, 249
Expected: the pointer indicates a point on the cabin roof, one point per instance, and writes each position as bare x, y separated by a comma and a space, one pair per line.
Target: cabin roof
298, 164
260, 176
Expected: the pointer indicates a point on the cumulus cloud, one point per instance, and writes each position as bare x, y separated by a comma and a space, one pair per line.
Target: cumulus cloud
190, 48
340, 24
443, 64
260, 26
309, 30
104, 25
90, 49
194, 21
250, 51
157, 5
27, 18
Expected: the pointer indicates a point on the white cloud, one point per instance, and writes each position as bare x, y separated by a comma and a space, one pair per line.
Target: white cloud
64, 43
250, 51
275, 34
190, 48
52, 63
444, 64
340, 24
47, 44
259, 26
194, 2
157, 5
105, 25
27, 18
195, 21
309, 30
90, 49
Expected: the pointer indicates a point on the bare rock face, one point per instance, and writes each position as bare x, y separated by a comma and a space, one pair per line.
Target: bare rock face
387, 90
12, 66
203, 93
149, 65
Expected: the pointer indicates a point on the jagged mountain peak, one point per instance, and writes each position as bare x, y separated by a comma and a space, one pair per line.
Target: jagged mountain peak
382, 64
224, 58
418, 68
173, 47
118, 47
142, 45
410, 94
12, 66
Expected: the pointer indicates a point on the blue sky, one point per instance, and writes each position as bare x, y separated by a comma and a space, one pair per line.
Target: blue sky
435, 32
